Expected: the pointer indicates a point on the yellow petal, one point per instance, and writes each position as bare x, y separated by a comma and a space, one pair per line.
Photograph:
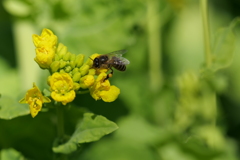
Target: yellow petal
110, 95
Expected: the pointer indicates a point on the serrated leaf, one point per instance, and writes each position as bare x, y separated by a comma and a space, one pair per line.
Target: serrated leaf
90, 129
10, 154
10, 108
224, 46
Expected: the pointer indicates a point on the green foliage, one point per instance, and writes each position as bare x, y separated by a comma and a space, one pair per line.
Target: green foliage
90, 129
10, 154
224, 46
10, 108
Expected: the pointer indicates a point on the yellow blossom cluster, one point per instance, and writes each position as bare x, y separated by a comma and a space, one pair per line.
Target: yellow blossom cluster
69, 74
45, 48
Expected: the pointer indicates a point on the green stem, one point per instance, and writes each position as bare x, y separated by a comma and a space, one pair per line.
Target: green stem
207, 45
208, 53
154, 44
60, 124
214, 104
60, 128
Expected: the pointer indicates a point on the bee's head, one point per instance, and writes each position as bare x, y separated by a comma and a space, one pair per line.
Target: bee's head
96, 63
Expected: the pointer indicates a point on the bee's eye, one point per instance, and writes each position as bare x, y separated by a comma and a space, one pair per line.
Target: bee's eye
96, 62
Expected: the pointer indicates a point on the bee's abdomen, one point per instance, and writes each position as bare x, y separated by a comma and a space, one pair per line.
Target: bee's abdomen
120, 67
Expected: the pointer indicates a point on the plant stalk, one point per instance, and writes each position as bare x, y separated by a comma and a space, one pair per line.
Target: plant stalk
60, 129
208, 53
207, 44
154, 45
60, 124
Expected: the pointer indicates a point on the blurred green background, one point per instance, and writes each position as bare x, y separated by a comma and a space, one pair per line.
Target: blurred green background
164, 111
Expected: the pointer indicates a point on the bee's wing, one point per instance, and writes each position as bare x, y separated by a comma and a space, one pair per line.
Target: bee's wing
123, 60
119, 52
117, 55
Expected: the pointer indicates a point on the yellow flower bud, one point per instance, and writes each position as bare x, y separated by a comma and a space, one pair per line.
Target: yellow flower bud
87, 81
79, 60
47, 38
45, 48
44, 57
55, 66
91, 71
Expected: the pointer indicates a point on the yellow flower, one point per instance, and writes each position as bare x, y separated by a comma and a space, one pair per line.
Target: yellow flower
47, 38
44, 57
87, 81
103, 90
62, 87
110, 95
35, 99
45, 48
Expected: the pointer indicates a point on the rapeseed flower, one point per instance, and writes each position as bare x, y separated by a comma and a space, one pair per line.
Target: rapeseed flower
35, 99
62, 87
45, 48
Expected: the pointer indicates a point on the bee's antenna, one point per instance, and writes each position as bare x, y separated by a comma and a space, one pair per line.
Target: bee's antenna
90, 58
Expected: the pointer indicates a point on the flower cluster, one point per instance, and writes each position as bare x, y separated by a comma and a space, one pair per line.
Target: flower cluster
69, 74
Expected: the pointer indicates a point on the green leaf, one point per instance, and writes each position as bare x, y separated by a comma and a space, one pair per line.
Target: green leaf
90, 129
10, 154
10, 108
224, 46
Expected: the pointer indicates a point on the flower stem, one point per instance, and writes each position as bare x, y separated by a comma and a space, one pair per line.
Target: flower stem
207, 45
60, 124
154, 44
208, 53
60, 128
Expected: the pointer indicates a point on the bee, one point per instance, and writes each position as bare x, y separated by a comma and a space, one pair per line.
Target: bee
109, 60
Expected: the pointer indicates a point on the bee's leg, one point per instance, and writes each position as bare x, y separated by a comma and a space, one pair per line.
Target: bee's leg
110, 74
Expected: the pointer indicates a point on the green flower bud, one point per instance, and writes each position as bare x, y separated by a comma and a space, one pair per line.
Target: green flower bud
56, 57
62, 64
72, 64
79, 60
73, 57
62, 71
67, 56
68, 69
55, 65
76, 86
84, 69
75, 70
89, 62
70, 73
61, 50
76, 76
